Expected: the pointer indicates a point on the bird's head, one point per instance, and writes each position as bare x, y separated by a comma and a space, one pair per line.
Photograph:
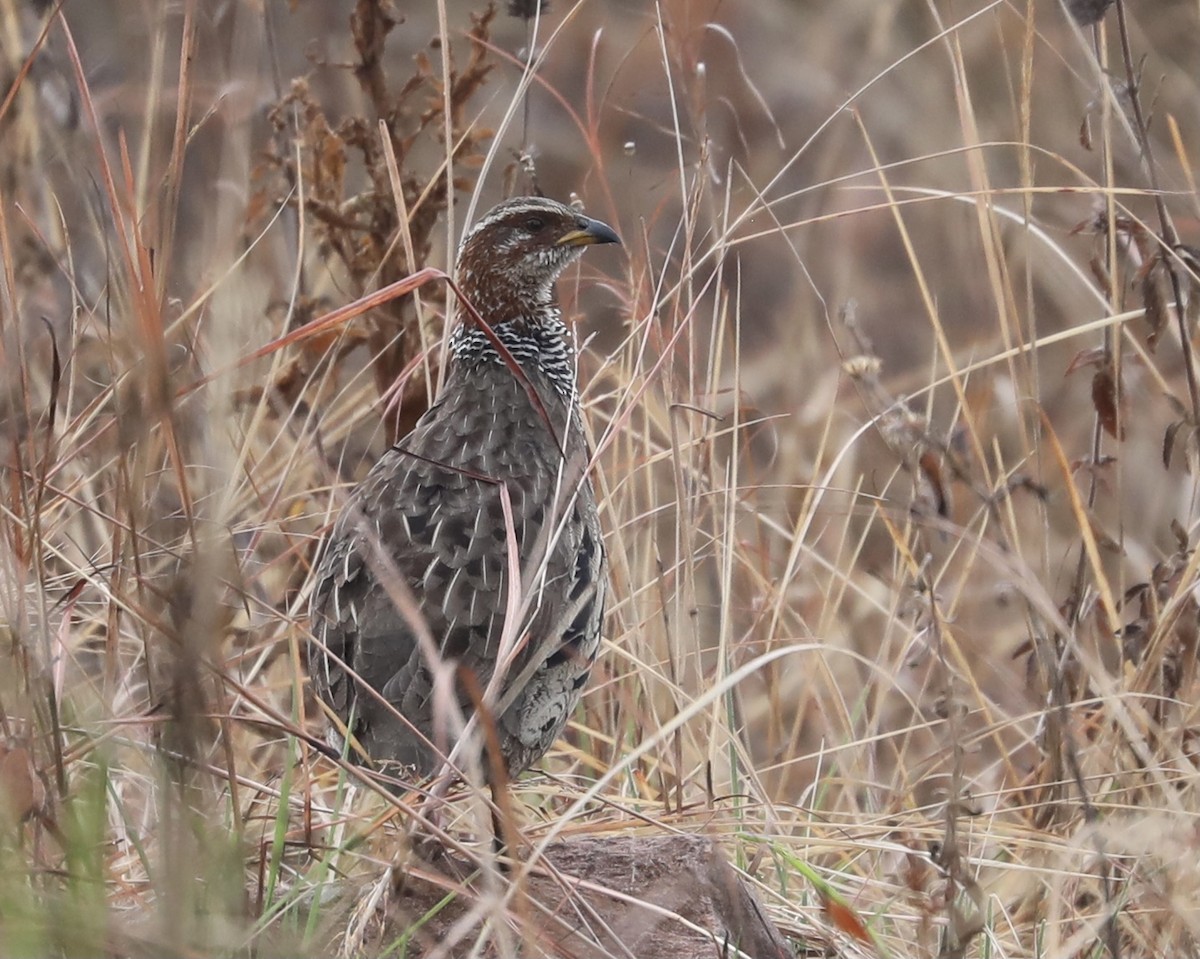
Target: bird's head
509, 260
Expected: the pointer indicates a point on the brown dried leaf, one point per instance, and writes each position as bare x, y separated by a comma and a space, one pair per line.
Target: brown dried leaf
1083, 226
21, 791
1147, 244
1107, 399
1138, 591
930, 465
327, 173
1094, 356
1103, 539
1190, 281
1169, 438
844, 918
1180, 534
1154, 300
1100, 272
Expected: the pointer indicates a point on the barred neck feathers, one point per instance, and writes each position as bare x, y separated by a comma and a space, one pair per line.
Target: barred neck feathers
543, 346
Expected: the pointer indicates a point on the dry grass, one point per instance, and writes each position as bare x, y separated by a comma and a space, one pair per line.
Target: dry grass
897, 442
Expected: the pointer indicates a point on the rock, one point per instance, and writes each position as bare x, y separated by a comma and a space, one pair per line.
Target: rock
683, 875
661, 897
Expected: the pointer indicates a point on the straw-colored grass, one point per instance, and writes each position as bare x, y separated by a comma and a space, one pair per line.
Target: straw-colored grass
895, 422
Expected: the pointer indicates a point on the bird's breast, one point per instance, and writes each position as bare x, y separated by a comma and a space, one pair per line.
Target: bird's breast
498, 426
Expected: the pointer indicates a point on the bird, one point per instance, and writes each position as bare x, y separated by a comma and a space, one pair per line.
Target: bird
413, 613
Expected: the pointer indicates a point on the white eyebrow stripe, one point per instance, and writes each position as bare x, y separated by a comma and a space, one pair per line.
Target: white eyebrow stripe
511, 207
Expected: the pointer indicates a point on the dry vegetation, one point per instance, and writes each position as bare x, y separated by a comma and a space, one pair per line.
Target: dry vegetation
897, 424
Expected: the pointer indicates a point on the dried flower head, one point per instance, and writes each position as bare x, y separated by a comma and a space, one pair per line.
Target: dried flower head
527, 9
1087, 12
863, 367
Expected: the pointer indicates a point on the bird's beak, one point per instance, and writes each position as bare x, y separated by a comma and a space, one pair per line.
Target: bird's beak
587, 232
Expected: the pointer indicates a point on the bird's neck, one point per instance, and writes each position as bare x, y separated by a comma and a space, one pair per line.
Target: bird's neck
538, 340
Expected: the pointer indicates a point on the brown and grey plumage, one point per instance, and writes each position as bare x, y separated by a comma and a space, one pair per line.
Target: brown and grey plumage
424, 541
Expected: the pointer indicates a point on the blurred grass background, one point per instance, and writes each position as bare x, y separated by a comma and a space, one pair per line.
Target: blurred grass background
896, 429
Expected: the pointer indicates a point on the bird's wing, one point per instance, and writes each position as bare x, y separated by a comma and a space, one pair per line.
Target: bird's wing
422, 548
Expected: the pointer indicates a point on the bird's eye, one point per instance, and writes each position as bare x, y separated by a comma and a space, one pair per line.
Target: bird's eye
534, 224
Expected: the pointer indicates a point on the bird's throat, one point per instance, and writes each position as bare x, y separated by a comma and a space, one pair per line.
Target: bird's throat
542, 344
